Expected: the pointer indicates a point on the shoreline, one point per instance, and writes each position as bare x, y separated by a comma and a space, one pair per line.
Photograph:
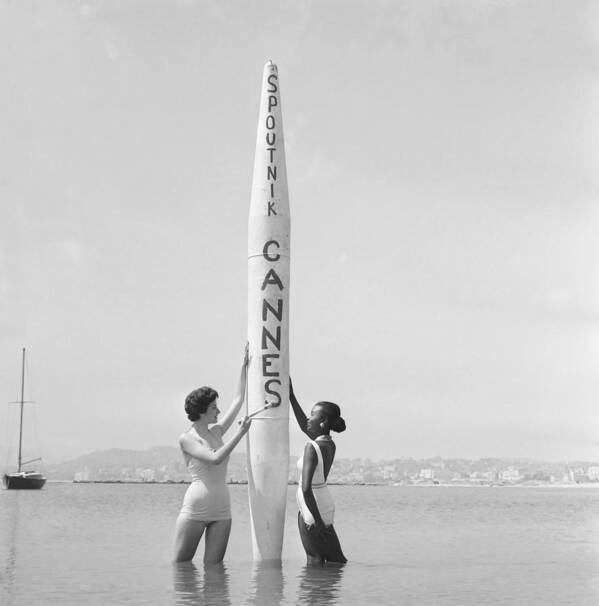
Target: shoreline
358, 484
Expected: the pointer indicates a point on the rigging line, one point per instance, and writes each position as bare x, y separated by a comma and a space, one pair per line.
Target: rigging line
14, 412
11, 436
35, 431
33, 409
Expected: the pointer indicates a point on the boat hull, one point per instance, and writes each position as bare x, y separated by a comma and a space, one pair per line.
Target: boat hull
19, 481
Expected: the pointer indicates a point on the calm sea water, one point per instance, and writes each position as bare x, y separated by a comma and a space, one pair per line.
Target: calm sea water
111, 544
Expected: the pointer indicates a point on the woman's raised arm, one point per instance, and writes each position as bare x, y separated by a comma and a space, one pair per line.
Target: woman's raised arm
300, 416
228, 417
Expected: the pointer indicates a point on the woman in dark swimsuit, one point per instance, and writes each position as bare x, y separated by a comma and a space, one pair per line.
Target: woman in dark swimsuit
316, 507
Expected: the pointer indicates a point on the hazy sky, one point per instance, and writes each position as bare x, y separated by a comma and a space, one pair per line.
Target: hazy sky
442, 164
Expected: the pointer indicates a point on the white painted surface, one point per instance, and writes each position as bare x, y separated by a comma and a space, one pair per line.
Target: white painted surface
268, 327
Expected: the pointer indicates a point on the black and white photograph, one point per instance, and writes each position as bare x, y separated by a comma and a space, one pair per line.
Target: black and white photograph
299, 302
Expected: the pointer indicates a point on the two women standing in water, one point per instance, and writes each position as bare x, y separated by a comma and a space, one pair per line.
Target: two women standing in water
206, 505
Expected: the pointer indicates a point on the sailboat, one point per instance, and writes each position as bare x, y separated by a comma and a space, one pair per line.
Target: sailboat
22, 479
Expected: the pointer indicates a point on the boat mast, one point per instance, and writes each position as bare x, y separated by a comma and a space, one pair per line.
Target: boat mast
22, 402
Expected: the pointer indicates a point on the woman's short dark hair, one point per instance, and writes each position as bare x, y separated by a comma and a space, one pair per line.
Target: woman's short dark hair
197, 402
333, 412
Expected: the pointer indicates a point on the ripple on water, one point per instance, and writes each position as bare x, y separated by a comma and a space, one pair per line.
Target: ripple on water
100, 544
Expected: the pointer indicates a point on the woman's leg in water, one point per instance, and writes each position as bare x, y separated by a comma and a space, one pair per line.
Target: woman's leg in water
217, 538
313, 556
332, 548
320, 547
188, 533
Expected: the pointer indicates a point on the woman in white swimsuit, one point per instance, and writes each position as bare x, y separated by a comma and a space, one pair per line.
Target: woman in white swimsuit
316, 506
206, 505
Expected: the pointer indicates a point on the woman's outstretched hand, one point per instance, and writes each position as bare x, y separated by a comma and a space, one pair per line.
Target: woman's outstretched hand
244, 425
246, 354
290, 387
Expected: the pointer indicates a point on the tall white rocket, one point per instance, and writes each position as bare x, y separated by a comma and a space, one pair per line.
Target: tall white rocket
268, 327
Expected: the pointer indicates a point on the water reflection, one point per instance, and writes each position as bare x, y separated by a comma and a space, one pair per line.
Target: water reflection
267, 584
193, 587
320, 584
11, 555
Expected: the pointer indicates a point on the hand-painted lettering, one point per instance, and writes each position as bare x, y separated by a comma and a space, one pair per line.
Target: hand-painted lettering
268, 257
278, 312
272, 392
274, 339
272, 312
273, 84
266, 364
272, 278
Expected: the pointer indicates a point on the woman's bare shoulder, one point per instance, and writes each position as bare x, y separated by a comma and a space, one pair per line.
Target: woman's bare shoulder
190, 437
309, 449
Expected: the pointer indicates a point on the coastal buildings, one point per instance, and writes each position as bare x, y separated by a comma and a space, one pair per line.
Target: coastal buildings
166, 465
511, 474
593, 473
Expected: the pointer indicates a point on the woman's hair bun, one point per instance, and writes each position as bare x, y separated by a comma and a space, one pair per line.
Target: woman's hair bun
338, 424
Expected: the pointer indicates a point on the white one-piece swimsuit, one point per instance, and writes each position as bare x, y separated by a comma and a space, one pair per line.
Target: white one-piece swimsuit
207, 498
322, 495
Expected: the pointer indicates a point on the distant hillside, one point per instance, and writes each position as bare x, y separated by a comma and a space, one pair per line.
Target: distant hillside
164, 463
121, 457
